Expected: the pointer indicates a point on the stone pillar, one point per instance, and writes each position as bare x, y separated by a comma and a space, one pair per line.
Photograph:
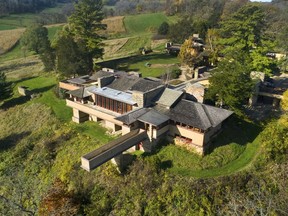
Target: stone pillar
79, 116
196, 73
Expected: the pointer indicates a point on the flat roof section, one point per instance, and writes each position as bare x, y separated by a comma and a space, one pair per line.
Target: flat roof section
114, 94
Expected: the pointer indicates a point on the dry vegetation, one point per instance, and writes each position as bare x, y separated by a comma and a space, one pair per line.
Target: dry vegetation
22, 68
113, 46
115, 25
8, 39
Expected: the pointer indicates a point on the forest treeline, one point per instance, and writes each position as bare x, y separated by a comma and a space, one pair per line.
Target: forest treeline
31, 6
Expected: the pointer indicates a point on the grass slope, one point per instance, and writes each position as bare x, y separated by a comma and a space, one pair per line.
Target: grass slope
138, 63
16, 52
145, 23
233, 150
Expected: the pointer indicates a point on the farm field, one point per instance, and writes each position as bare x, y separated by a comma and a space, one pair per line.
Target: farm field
8, 39
16, 52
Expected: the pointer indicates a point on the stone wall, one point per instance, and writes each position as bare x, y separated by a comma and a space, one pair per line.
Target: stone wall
104, 81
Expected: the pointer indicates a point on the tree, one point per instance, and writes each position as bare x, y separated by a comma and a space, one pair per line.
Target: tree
36, 39
284, 102
84, 24
230, 84
214, 48
68, 55
5, 87
244, 31
274, 139
190, 53
163, 28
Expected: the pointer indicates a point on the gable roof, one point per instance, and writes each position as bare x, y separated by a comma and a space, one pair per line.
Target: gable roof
169, 97
198, 115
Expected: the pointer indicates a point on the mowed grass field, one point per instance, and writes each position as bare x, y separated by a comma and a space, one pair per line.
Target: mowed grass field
139, 63
146, 23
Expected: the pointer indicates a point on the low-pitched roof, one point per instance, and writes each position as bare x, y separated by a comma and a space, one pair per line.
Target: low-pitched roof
79, 80
81, 92
169, 97
198, 115
144, 85
114, 94
153, 117
132, 116
100, 74
123, 82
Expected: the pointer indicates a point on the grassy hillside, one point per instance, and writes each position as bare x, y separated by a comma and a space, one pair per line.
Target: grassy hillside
146, 23
14, 21
16, 52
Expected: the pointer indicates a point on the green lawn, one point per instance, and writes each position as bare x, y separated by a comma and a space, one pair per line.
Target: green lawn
138, 63
13, 21
17, 20
145, 23
233, 150
17, 52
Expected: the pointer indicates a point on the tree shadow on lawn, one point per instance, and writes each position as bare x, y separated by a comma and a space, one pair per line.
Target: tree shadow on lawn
42, 90
235, 130
15, 101
12, 140
23, 79
23, 99
18, 66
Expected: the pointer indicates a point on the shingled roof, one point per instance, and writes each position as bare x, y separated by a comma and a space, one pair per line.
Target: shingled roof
123, 82
132, 116
169, 97
198, 115
153, 117
144, 85
82, 92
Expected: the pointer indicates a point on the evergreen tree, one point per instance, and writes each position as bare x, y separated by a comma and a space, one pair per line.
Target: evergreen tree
5, 87
84, 24
244, 31
163, 28
68, 55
